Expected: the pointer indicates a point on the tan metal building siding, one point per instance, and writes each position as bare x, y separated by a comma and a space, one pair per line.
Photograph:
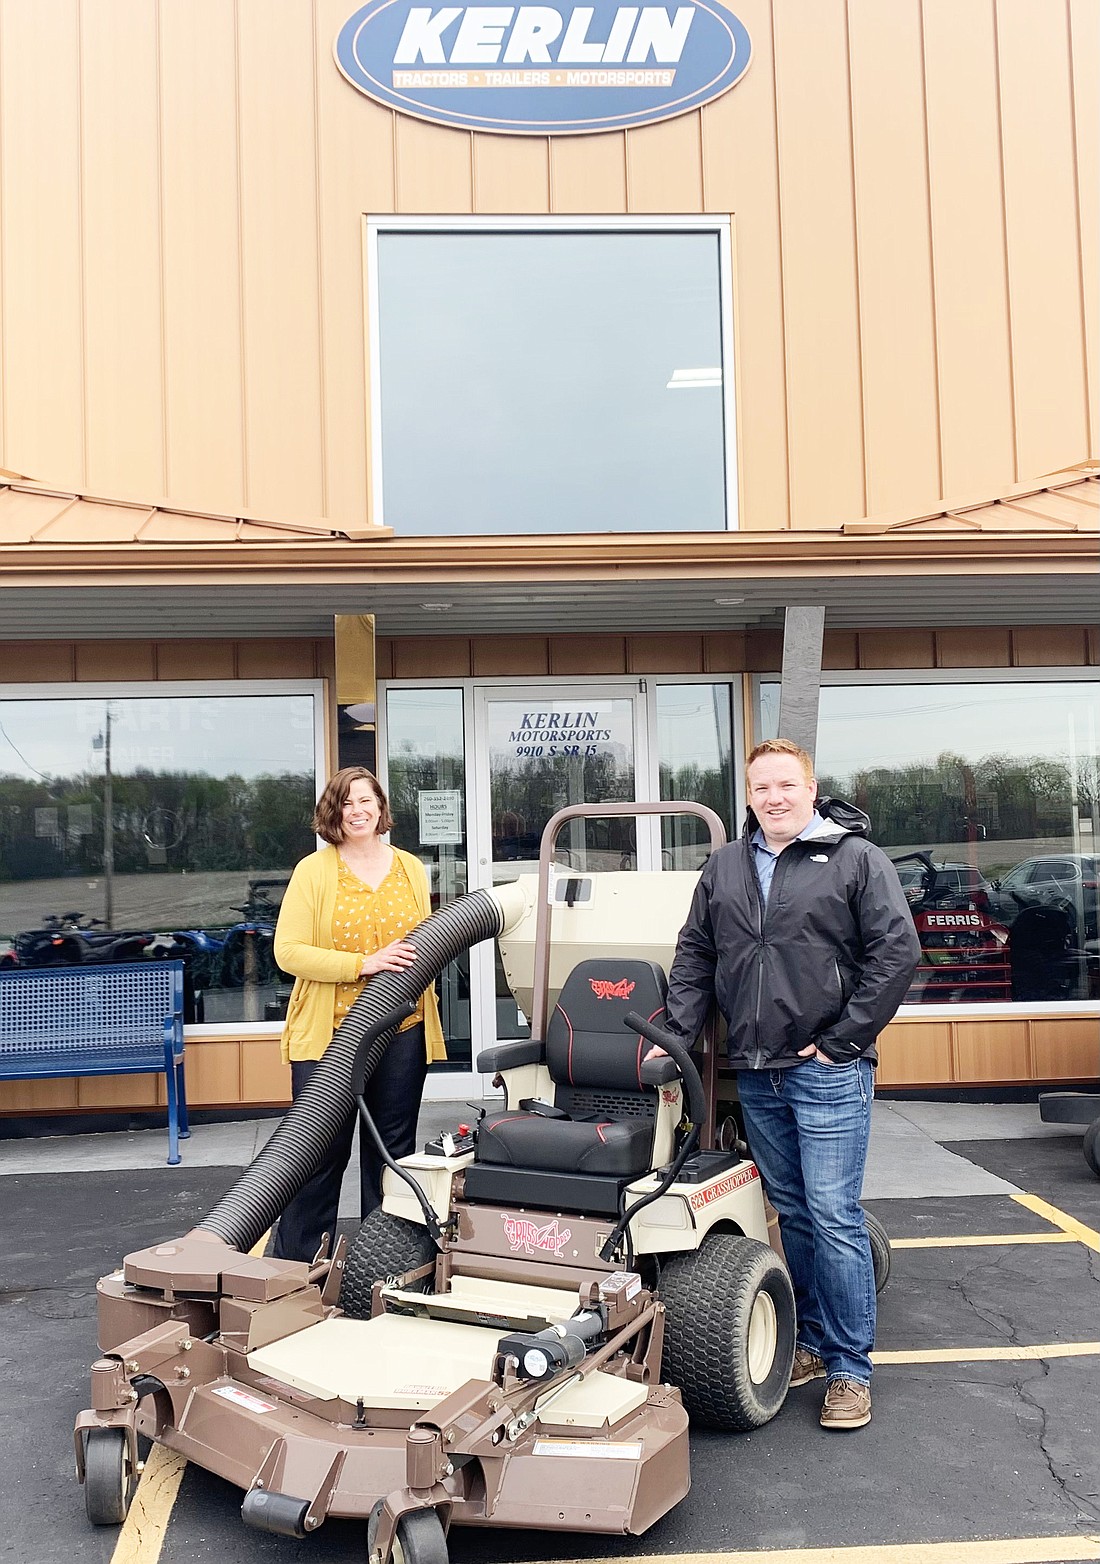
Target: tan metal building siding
913, 189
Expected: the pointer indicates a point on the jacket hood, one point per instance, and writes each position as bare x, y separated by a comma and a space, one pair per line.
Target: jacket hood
838, 819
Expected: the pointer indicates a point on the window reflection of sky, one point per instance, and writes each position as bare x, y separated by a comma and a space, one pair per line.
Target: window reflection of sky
524, 382
888, 725
246, 736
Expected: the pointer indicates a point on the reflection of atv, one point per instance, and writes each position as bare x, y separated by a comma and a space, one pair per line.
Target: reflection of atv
248, 954
964, 948
74, 940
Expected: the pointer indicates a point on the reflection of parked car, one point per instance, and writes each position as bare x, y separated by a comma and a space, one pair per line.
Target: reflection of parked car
951, 878
1066, 880
964, 948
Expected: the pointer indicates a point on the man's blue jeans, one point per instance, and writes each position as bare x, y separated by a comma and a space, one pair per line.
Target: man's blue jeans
808, 1128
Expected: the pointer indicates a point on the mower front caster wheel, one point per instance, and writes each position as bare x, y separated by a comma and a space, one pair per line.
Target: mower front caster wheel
109, 1478
420, 1537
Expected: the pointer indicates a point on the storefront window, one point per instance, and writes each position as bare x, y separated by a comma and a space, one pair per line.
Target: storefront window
162, 826
986, 797
694, 744
552, 381
426, 783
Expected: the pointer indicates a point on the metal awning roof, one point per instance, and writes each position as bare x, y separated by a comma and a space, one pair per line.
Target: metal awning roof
77, 566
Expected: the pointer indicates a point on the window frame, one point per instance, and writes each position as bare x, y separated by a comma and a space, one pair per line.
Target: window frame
153, 689
1003, 1010
720, 226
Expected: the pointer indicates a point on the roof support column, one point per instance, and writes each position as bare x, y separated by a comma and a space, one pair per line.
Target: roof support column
356, 691
800, 690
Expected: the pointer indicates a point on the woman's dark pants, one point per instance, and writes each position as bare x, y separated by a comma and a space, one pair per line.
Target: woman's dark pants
393, 1096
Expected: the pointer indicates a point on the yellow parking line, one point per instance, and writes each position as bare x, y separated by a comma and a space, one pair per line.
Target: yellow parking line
1057, 1349
1069, 1224
1002, 1550
141, 1536
983, 1238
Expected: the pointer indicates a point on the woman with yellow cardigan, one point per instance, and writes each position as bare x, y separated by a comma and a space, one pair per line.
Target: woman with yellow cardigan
345, 916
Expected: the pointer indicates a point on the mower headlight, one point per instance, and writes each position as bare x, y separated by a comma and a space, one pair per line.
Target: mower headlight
536, 1364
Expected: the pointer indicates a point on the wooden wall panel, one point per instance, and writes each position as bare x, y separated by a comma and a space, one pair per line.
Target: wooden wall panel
589, 654
202, 282
107, 661
20, 1097
195, 659
427, 657
1065, 1049
588, 173
915, 1053
820, 292
527, 654
434, 167
1044, 274
280, 262
897, 321
991, 1051
213, 1074
741, 176
664, 654
99, 1092
265, 1079
664, 166
36, 661
262, 659
968, 246
896, 649
1049, 646
124, 386
511, 174
1084, 18
840, 649
40, 242
980, 646
724, 651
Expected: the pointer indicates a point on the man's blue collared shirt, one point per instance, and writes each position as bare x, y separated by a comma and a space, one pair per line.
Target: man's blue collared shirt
765, 859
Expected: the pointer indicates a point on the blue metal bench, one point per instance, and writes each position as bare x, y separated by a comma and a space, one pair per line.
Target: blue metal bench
97, 1020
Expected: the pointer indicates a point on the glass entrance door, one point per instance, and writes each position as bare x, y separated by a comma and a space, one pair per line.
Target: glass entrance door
539, 748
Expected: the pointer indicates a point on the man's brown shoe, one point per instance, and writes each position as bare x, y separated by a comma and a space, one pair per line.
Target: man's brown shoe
847, 1404
807, 1366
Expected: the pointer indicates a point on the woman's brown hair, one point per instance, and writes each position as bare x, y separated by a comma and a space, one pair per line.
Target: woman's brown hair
328, 818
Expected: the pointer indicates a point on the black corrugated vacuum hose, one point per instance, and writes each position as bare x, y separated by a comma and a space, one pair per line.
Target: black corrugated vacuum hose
294, 1151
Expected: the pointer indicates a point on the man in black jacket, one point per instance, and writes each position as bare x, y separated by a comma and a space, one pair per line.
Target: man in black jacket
802, 934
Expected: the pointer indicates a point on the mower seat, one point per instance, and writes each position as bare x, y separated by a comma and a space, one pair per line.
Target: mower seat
604, 1108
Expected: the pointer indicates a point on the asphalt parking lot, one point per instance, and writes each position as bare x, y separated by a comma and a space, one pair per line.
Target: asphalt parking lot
986, 1432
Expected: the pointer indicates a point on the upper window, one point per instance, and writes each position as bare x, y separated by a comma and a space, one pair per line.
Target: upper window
552, 379
140, 825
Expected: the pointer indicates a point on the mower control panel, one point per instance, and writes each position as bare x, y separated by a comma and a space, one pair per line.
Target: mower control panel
452, 1143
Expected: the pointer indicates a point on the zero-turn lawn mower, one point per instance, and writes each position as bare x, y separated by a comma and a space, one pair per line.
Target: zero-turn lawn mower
518, 1335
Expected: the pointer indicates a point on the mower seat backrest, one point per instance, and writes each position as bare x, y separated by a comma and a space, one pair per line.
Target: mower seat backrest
591, 1056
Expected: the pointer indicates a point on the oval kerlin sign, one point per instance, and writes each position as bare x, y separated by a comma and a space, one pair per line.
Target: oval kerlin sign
543, 69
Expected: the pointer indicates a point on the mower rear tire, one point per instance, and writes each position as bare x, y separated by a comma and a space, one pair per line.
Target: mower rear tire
729, 1330
881, 1255
1091, 1146
384, 1246
108, 1477
420, 1537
